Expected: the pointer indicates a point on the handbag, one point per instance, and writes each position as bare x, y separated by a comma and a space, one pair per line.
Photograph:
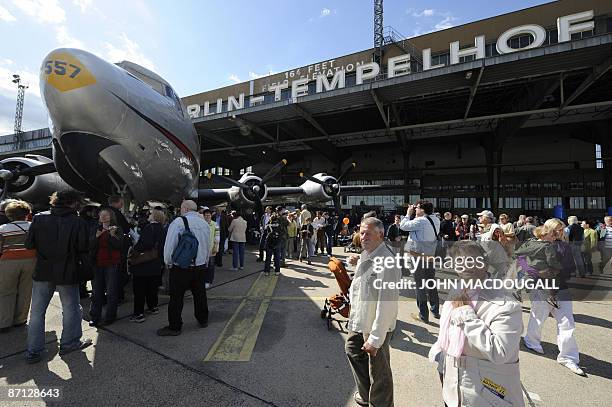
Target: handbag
135, 258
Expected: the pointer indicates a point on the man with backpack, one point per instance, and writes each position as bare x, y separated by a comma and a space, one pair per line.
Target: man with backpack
423, 240
186, 252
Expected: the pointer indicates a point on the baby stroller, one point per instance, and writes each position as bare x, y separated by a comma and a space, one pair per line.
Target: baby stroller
354, 245
338, 303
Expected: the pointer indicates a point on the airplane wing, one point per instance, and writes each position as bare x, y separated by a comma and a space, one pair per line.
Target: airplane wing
214, 194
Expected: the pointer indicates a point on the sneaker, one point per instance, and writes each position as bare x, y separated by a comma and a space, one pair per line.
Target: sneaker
359, 400
436, 316
94, 323
277, 273
82, 345
207, 285
166, 331
537, 350
266, 274
138, 318
240, 268
153, 311
574, 368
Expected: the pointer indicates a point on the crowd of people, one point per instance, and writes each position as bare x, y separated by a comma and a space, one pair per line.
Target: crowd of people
71, 244
480, 329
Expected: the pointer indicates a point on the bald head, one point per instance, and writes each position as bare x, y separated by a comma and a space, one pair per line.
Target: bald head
188, 206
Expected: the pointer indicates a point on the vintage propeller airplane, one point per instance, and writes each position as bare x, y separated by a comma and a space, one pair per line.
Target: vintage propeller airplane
122, 129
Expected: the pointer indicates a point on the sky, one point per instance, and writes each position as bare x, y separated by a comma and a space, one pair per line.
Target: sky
206, 44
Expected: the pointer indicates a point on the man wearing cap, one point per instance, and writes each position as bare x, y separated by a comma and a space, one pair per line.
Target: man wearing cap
486, 226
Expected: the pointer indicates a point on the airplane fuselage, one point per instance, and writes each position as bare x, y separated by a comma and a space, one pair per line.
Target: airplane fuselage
118, 129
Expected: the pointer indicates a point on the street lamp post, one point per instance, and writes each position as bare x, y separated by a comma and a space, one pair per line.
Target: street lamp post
19, 110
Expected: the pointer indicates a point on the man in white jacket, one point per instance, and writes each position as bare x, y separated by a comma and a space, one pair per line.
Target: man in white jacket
372, 317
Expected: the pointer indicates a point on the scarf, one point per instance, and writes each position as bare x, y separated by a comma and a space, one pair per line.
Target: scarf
451, 337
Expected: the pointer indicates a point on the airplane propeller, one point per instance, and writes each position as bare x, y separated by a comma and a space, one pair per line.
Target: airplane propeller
253, 189
6, 175
331, 188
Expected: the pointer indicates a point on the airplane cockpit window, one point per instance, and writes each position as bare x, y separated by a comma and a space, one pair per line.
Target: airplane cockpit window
175, 99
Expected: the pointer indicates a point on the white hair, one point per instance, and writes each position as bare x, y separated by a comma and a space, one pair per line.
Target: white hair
572, 219
377, 223
189, 205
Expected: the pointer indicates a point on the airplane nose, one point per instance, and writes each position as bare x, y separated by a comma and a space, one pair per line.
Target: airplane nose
64, 71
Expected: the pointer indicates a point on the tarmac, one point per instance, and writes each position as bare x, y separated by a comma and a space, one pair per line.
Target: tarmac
266, 345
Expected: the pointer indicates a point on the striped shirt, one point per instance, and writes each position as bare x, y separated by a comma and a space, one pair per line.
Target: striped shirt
12, 241
608, 237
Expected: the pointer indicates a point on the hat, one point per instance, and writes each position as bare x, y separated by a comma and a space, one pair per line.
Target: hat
464, 216
488, 214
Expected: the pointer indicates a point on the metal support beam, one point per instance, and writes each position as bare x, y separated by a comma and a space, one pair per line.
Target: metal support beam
308, 117
473, 91
533, 99
598, 72
381, 108
242, 122
324, 147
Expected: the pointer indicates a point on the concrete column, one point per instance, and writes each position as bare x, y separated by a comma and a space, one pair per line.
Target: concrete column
604, 136
406, 172
493, 154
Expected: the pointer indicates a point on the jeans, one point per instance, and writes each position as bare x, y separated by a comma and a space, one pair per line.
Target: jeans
420, 275
209, 276
219, 255
330, 243
105, 279
276, 251
72, 315
283, 244
182, 280
238, 254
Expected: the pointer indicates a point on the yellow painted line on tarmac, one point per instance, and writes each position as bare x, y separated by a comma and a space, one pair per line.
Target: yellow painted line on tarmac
239, 336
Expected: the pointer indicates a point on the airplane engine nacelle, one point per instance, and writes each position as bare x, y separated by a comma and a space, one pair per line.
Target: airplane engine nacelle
31, 188
317, 192
249, 196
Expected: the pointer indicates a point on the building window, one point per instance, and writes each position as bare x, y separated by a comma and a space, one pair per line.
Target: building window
551, 201
461, 203
513, 202
576, 202
533, 204
598, 160
596, 202
595, 185
551, 186
444, 203
575, 185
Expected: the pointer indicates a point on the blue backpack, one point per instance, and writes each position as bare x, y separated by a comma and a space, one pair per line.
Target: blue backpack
186, 251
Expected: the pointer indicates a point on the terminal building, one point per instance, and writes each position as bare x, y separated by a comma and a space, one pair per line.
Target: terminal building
512, 113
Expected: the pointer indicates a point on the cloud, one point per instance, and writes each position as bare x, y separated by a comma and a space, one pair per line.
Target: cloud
445, 23
253, 75
64, 39
83, 4
234, 78
127, 50
428, 12
34, 113
43, 11
325, 12
6, 15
